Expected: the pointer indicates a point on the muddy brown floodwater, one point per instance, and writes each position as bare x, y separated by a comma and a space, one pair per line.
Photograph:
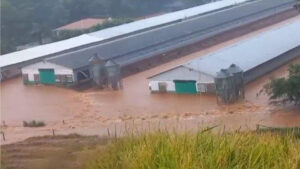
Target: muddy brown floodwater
94, 111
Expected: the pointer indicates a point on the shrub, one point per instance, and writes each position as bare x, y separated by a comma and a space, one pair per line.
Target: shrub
33, 123
285, 90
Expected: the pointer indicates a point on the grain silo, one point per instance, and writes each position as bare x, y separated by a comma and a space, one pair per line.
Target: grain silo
98, 71
113, 71
224, 86
238, 78
229, 84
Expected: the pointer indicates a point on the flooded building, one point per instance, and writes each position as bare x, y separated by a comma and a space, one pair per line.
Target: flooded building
74, 69
255, 56
57, 71
143, 39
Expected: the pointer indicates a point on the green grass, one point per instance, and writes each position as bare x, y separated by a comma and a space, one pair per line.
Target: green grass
252, 150
283, 131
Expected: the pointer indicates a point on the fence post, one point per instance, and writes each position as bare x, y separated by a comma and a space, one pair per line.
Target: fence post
3, 136
159, 125
53, 133
108, 133
149, 126
126, 130
115, 131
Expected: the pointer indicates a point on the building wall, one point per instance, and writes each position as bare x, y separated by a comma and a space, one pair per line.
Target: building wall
181, 73
200, 86
154, 86
206, 87
34, 70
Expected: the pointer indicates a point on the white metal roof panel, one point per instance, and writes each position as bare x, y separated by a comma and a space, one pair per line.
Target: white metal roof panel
163, 19
56, 47
44, 50
251, 52
155, 41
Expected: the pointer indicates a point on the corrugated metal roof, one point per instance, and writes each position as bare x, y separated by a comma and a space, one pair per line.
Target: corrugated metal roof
163, 19
189, 31
53, 48
72, 60
251, 52
140, 46
44, 50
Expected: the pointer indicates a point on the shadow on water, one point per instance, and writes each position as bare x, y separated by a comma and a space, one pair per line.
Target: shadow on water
84, 86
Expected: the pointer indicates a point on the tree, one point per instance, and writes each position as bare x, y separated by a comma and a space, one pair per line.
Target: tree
27, 21
285, 90
39, 32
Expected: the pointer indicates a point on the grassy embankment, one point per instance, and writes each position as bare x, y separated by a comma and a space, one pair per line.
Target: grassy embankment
267, 148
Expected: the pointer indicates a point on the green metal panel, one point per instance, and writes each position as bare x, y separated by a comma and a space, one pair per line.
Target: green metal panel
47, 76
185, 87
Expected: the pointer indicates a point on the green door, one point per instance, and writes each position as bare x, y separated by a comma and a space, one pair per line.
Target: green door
47, 76
185, 87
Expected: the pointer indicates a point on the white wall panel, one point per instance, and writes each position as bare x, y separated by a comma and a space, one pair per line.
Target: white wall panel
155, 88
34, 69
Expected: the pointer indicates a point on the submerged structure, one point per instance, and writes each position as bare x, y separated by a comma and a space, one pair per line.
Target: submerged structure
98, 72
226, 71
229, 84
113, 72
58, 71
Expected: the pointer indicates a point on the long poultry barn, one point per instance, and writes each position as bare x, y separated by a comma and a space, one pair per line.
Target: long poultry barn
11, 64
140, 42
255, 56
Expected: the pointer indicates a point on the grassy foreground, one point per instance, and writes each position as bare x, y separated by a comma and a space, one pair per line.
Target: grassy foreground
266, 148
201, 151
